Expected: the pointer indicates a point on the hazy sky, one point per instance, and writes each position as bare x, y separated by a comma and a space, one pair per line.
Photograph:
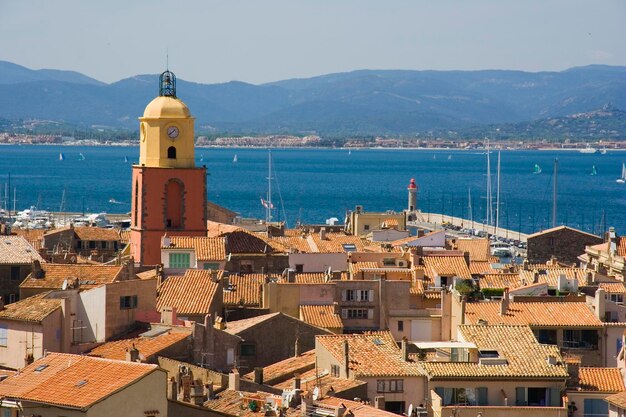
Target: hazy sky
267, 40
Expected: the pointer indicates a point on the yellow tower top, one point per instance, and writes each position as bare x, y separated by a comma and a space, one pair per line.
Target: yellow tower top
166, 130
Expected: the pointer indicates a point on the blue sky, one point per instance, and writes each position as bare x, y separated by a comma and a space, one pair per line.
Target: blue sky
260, 41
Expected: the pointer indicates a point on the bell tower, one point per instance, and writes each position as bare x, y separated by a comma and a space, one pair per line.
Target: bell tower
169, 192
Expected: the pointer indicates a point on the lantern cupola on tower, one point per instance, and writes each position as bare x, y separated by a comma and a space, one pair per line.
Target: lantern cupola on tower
166, 130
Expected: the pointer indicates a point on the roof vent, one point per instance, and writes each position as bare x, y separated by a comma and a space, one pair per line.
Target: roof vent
81, 383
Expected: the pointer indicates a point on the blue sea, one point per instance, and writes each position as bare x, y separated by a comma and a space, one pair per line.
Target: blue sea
311, 185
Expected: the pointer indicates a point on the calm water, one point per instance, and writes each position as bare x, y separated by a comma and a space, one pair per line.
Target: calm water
316, 184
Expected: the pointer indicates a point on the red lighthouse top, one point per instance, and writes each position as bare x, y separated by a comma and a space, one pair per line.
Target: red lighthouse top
412, 185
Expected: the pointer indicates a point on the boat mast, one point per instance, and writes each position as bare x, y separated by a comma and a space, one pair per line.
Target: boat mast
268, 208
498, 195
554, 190
488, 215
469, 205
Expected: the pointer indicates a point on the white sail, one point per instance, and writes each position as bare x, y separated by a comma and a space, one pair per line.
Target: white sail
622, 179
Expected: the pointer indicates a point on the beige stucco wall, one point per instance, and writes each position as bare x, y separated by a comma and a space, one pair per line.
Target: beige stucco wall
319, 262
117, 319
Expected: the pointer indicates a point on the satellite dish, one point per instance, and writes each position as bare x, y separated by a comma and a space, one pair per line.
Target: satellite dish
410, 410
316, 393
64, 286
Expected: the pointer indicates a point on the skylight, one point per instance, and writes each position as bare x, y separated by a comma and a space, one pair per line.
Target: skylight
349, 247
81, 383
378, 342
40, 368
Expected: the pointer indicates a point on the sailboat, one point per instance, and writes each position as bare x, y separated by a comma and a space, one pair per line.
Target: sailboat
537, 169
201, 158
61, 157
622, 179
81, 157
449, 157
593, 170
235, 158
125, 159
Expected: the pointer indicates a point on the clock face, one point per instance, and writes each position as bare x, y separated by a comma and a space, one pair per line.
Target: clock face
172, 132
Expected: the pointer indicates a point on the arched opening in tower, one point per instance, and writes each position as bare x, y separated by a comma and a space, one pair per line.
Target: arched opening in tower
171, 152
174, 209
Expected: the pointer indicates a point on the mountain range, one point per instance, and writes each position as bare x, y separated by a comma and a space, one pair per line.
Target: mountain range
363, 102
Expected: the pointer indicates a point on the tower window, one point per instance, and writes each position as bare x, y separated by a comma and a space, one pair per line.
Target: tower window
171, 152
174, 196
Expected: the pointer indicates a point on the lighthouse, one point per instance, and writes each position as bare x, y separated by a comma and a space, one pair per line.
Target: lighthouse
412, 195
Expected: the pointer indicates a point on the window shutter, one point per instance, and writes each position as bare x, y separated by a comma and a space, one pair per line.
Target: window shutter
343, 295
344, 313
520, 396
371, 296
555, 397
370, 313
482, 396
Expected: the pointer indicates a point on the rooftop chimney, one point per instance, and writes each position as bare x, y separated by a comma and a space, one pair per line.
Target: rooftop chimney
208, 391
346, 357
258, 375
38, 272
296, 348
296, 381
168, 315
132, 354
526, 265
405, 351
172, 389
379, 402
504, 303
336, 309
233, 380
323, 233
599, 303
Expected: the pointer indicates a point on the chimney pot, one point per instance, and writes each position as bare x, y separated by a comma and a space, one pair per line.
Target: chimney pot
258, 375
233, 380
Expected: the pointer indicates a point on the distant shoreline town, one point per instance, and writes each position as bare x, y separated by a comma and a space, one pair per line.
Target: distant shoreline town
313, 141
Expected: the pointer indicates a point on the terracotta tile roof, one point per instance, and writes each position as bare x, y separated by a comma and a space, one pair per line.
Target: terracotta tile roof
31, 309
356, 267
33, 236
500, 281
535, 314
310, 278
89, 276
618, 400
245, 289
149, 274
206, 248
241, 241
60, 383
215, 229
191, 294
321, 316
621, 246
551, 275
447, 266
481, 267
124, 236
371, 354
600, 379
525, 357
308, 382
238, 326
478, 248
147, 346
15, 250
96, 233
293, 243
354, 408
613, 287
390, 223
334, 243
283, 370
420, 287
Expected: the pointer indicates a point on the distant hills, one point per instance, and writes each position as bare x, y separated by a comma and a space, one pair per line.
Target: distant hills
365, 102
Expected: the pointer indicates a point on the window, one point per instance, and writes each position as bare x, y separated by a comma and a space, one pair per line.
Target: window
15, 273
103, 244
463, 396
389, 262
171, 152
390, 385
357, 313
596, 407
334, 371
3, 335
246, 267
174, 203
136, 208
179, 260
299, 268
545, 336
400, 326
128, 302
580, 339
366, 227
248, 349
551, 241
12, 298
211, 265
358, 295
92, 244
616, 298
